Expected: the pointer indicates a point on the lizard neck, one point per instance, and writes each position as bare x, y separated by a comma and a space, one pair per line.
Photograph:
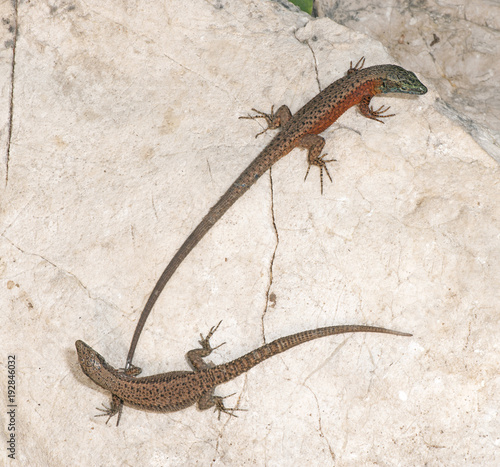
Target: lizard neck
97, 369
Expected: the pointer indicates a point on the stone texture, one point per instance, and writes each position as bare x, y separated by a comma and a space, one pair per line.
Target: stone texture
125, 132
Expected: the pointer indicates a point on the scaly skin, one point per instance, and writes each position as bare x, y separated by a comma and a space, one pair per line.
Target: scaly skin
298, 131
176, 390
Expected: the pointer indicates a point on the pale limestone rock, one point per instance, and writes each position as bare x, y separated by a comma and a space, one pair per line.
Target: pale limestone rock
126, 131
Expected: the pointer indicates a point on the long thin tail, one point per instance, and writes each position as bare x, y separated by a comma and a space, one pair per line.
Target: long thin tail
249, 176
232, 369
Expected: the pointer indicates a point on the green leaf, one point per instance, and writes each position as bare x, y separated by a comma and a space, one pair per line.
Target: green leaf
304, 5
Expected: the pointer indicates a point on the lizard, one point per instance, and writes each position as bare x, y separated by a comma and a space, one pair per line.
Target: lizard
298, 131
177, 390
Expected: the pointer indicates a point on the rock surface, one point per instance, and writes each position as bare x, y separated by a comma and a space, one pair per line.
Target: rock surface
125, 131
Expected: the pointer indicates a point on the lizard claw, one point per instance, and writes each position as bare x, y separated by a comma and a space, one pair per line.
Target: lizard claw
219, 406
132, 370
109, 411
115, 408
321, 163
270, 119
205, 341
377, 114
357, 67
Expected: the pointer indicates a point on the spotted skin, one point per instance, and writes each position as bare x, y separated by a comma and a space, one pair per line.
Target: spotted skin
177, 390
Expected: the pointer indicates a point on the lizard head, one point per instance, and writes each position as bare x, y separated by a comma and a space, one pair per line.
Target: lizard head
95, 367
403, 81
88, 358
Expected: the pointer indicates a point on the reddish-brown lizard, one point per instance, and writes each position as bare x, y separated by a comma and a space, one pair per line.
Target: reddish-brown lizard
176, 390
298, 131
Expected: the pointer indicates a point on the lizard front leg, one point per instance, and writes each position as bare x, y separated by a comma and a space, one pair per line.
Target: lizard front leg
195, 357
368, 112
273, 120
116, 406
357, 67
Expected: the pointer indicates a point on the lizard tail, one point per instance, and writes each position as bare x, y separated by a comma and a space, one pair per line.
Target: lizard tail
230, 370
243, 183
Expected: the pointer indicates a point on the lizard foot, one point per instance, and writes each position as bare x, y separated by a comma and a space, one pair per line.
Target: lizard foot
273, 120
357, 67
219, 406
132, 370
321, 163
115, 409
270, 119
205, 341
377, 114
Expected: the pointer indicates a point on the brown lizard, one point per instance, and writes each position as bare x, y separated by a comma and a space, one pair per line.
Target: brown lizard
298, 131
176, 390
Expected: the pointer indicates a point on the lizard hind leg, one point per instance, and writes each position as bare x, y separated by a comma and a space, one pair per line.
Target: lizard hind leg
314, 145
273, 120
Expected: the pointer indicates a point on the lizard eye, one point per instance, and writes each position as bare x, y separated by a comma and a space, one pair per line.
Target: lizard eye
94, 362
